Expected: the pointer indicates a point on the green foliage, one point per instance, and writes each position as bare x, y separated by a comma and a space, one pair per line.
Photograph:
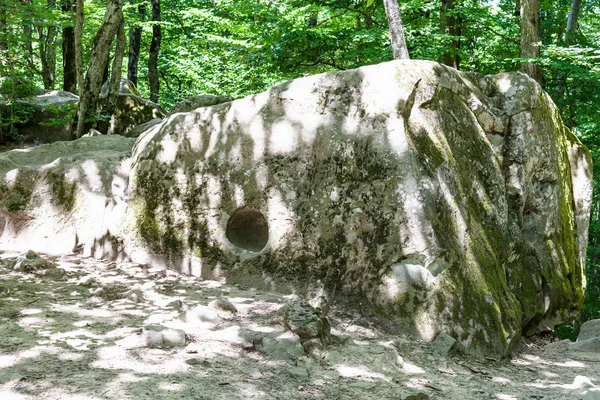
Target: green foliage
12, 111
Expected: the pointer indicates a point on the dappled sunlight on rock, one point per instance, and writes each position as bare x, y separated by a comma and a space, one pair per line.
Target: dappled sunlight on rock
502, 396
360, 372
411, 369
34, 322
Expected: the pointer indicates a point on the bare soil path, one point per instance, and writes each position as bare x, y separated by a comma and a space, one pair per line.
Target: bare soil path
77, 328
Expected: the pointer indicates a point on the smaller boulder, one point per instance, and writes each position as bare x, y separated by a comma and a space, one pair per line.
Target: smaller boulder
304, 320
591, 345
141, 128
443, 343
55, 273
160, 336
284, 347
589, 329
203, 100
223, 305
199, 315
32, 262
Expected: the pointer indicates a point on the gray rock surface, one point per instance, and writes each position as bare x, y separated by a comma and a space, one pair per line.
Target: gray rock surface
203, 100
139, 129
451, 200
130, 112
443, 343
304, 320
589, 329
160, 336
66, 196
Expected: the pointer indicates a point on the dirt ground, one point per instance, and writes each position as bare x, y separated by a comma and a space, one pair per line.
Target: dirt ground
75, 329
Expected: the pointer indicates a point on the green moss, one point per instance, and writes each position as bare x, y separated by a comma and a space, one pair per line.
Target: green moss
63, 192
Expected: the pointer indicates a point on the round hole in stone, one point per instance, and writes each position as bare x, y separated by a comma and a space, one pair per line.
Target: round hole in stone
248, 229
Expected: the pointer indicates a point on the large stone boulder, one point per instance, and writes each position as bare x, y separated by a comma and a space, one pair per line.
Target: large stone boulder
66, 196
450, 201
203, 100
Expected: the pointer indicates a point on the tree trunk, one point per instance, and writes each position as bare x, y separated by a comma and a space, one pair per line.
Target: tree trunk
28, 35
68, 50
3, 33
115, 78
88, 102
572, 22
79, 63
47, 36
153, 54
135, 41
78, 43
450, 25
399, 48
47, 46
530, 37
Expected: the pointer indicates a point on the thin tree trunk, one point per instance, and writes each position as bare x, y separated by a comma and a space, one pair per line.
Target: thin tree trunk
88, 101
153, 54
450, 25
115, 78
28, 35
3, 30
572, 22
530, 37
79, 64
47, 46
135, 41
47, 36
68, 50
399, 48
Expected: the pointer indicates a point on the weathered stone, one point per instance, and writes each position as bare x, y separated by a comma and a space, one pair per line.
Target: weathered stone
66, 195
160, 336
32, 262
31, 255
284, 347
304, 320
443, 343
450, 201
139, 129
55, 273
445, 198
591, 345
135, 296
131, 111
223, 304
199, 315
203, 100
589, 329
582, 382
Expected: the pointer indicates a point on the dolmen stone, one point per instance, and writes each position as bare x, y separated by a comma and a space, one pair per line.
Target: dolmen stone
447, 201
450, 201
